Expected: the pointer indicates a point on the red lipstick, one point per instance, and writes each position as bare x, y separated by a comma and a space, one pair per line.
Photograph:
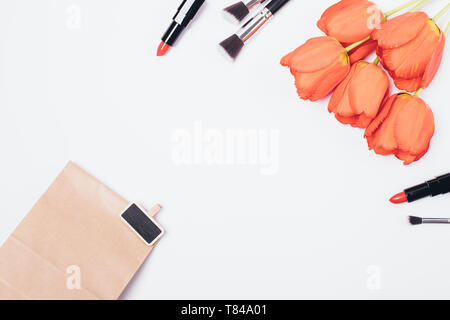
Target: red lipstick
431, 188
185, 13
399, 198
162, 49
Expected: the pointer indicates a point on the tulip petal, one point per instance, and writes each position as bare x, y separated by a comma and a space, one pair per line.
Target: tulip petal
384, 137
400, 30
344, 109
427, 132
303, 85
359, 121
383, 140
434, 64
332, 11
362, 121
412, 122
414, 127
359, 53
314, 55
350, 21
410, 85
346, 120
368, 89
406, 157
385, 110
340, 95
317, 85
410, 158
373, 143
341, 104
411, 60
409, 122
330, 81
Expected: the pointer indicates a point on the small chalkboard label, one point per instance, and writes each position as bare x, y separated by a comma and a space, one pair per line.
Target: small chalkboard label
144, 226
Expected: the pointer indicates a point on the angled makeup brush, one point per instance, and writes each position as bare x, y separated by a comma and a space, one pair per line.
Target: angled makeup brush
240, 10
417, 220
234, 44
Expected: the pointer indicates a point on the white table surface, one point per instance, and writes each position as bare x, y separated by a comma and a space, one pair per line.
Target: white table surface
79, 80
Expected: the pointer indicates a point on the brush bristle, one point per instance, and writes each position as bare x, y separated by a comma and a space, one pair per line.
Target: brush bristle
238, 10
232, 45
415, 220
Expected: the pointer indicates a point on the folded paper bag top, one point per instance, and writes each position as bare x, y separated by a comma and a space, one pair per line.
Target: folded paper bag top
73, 244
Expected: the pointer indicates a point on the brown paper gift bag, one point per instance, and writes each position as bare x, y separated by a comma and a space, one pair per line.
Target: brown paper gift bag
73, 244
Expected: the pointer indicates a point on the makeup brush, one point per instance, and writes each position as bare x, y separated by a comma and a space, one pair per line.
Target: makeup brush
240, 9
417, 220
234, 44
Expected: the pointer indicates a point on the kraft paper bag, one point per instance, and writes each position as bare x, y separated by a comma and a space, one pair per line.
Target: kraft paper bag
73, 244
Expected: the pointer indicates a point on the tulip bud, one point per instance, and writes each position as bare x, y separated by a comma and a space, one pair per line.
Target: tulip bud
318, 66
350, 21
404, 128
410, 48
357, 100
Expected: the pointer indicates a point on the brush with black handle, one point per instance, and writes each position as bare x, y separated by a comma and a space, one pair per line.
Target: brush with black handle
240, 9
234, 44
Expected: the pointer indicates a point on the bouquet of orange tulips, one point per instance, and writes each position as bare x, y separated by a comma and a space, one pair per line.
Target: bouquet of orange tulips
409, 47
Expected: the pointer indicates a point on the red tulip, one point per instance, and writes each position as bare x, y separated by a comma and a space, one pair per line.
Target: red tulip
318, 66
410, 47
350, 21
357, 100
404, 127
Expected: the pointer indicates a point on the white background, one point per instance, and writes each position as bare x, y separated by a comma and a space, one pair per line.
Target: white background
321, 227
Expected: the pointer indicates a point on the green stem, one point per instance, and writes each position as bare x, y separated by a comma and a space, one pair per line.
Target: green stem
416, 94
447, 29
376, 61
357, 44
441, 13
400, 8
419, 5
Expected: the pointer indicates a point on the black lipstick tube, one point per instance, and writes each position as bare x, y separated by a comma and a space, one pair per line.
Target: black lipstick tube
431, 188
185, 13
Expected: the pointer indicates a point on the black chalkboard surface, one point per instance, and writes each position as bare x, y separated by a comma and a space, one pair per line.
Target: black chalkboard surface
144, 226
